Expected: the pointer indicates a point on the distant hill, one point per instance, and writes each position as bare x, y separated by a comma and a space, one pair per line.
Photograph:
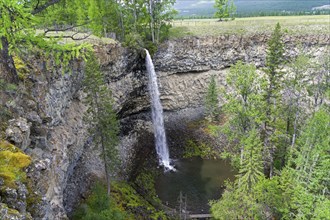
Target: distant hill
246, 7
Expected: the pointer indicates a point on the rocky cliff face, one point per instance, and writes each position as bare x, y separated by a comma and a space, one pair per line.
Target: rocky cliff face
185, 65
49, 125
48, 110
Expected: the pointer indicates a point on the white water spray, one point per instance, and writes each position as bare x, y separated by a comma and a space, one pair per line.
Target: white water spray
157, 116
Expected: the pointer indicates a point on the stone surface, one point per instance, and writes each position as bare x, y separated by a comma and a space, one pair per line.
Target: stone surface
7, 213
186, 65
18, 132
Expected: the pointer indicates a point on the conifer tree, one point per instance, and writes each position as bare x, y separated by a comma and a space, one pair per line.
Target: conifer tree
102, 118
301, 191
211, 99
274, 61
251, 168
319, 82
244, 104
293, 99
238, 201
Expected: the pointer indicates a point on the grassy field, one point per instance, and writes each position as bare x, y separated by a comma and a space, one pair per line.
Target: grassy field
293, 25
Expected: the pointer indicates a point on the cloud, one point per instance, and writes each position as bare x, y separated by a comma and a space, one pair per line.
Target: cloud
202, 2
184, 4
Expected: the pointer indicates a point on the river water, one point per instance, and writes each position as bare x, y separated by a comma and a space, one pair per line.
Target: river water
199, 179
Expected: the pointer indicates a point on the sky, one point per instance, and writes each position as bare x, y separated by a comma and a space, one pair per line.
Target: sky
188, 4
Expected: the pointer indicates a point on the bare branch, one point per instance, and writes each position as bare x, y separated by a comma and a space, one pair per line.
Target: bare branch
64, 29
39, 9
71, 36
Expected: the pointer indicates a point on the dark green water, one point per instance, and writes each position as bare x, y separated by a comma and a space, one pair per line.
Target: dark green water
201, 180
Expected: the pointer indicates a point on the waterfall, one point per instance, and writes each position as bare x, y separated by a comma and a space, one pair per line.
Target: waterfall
157, 116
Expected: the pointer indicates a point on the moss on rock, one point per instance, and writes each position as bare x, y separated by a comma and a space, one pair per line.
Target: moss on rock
12, 163
7, 213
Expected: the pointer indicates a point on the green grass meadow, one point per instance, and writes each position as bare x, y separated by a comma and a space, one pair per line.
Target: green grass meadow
292, 25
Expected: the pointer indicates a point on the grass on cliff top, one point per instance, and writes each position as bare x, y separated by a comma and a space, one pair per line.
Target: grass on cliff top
293, 25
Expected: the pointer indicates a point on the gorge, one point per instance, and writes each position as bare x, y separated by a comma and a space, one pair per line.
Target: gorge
49, 126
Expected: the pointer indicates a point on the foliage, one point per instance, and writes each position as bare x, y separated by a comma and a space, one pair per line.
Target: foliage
21, 68
235, 204
268, 130
319, 87
311, 157
99, 206
302, 189
18, 34
103, 123
238, 200
194, 149
161, 13
211, 100
225, 9
244, 103
129, 21
145, 182
244, 106
124, 203
251, 169
274, 60
149, 22
291, 111
272, 87
275, 53
135, 204
12, 163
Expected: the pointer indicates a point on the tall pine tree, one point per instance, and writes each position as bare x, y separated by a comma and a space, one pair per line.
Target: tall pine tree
104, 126
274, 74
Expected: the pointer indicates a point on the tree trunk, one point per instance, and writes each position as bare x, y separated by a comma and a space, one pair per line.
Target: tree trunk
107, 175
106, 166
7, 66
152, 22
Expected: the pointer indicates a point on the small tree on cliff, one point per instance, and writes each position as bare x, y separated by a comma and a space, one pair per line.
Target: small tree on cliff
104, 125
211, 100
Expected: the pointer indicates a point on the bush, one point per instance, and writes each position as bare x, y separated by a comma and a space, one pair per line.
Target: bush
123, 203
194, 149
99, 206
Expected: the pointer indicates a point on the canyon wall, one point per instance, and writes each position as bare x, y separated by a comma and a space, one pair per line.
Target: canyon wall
49, 125
185, 65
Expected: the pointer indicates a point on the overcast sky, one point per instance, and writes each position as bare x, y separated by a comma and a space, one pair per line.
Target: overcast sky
187, 4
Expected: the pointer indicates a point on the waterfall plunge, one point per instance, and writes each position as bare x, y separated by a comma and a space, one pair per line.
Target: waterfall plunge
157, 116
